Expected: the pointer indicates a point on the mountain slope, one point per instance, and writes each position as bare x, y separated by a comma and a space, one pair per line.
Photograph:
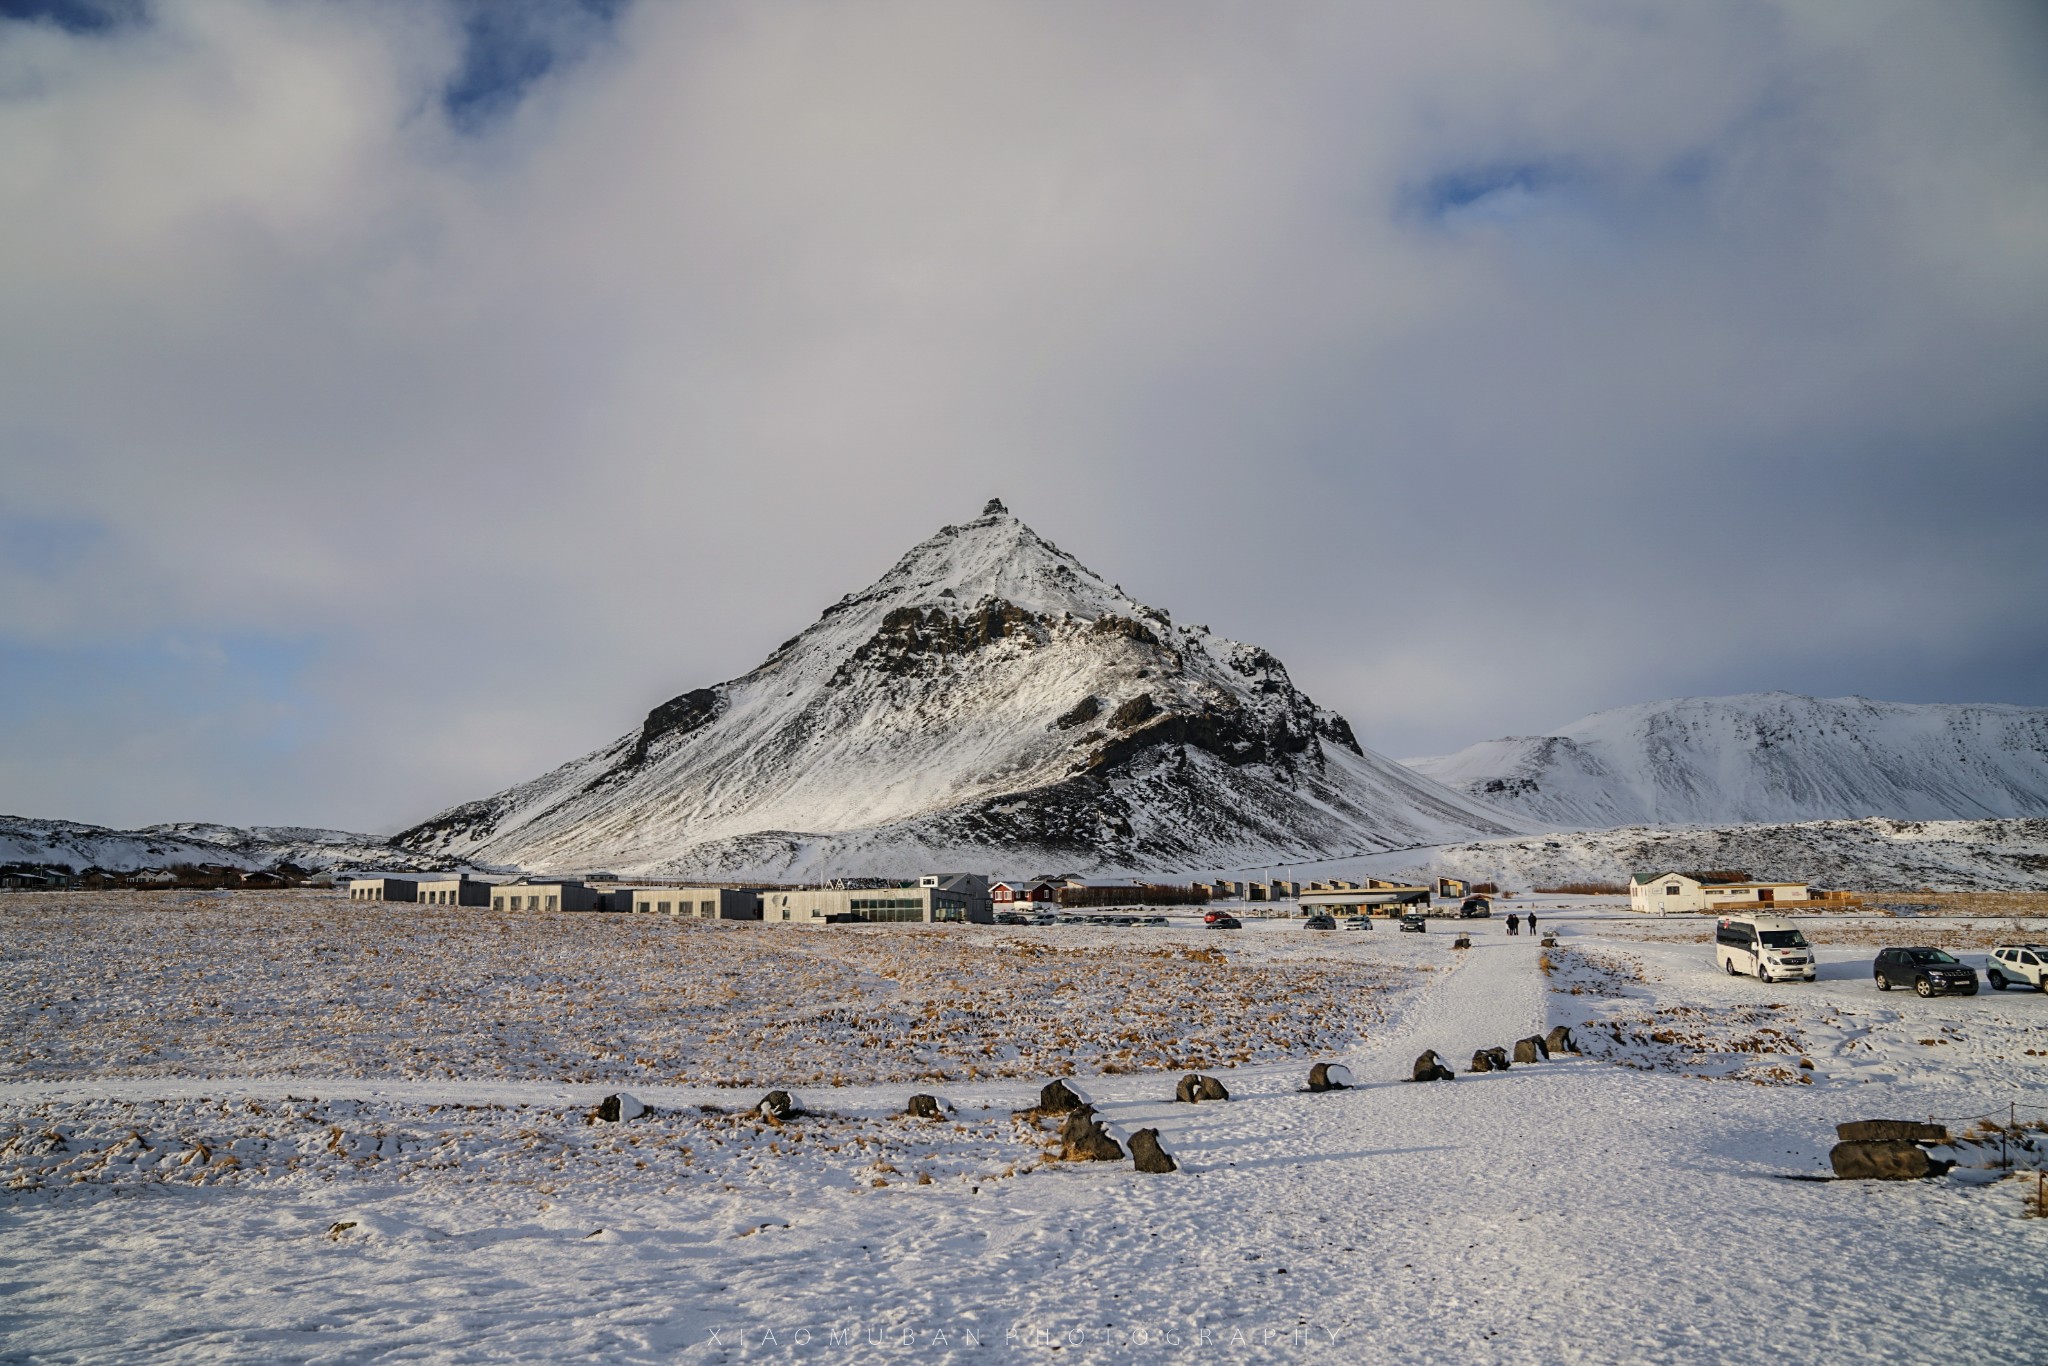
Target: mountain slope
988, 700
78, 846
1764, 757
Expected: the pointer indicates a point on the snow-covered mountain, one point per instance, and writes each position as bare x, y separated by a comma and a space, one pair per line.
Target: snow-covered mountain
77, 846
989, 700
1877, 854
1774, 757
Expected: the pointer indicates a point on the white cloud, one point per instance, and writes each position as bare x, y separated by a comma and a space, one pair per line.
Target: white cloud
726, 313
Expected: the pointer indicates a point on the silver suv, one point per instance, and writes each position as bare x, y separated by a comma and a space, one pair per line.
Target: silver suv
2018, 965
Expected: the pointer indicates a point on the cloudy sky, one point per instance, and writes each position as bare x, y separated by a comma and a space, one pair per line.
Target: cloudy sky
398, 399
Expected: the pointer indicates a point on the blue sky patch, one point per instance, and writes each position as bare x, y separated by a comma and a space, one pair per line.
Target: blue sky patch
507, 45
75, 16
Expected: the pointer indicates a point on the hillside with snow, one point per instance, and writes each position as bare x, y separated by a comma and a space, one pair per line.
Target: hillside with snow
989, 699
1876, 853
78, 847
1763, 757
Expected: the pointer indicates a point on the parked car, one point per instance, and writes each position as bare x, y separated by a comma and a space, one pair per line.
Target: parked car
1414, 924
1213, 916
1012, 918
1769, 948
1319, 922
1475, 908
2017, 965
1931, 972
1218, 920
1044, 918
1151, 921
1358, 922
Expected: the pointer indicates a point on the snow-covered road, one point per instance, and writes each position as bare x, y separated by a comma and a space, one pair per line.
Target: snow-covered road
1569, 1211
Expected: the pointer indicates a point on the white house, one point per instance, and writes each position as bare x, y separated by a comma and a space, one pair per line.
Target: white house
1693, 893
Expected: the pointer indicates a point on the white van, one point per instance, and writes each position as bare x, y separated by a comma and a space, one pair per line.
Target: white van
1767, 947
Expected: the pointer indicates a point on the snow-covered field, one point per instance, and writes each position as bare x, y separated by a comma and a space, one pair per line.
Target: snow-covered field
227, 1199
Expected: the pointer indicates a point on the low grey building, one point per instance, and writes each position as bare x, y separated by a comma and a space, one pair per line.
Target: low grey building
543, 896
699, 903
383, 889
453, 891
855, 905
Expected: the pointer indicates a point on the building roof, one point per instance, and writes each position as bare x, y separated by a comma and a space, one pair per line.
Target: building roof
1714, 879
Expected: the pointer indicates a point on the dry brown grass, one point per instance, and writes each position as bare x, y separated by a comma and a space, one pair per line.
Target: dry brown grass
309, 984
2029, 904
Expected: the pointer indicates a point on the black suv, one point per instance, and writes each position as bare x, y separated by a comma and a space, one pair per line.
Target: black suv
1930, 972
1475, 908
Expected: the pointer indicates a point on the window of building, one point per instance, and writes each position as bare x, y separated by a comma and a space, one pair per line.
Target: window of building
709, 909
551, 903
662, 907
1671, 889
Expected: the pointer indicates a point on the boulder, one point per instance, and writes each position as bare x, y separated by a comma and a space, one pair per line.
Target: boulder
1893, 1130
777, 1105
1560, 1040
1195, 1087
1884, 1159
1549, 941
1429, 1067
923, 1106
1083, 1139
1531, 1049
619, 1108
1463, 941
1058, 1098
1148, 1155
1490, 1060
1329, 1076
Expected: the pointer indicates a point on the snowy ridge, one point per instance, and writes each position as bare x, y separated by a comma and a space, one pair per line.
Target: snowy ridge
77, 846
1872, 854
1764, 757
989, 698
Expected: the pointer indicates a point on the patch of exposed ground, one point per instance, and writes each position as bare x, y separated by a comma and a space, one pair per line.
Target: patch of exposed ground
166, 984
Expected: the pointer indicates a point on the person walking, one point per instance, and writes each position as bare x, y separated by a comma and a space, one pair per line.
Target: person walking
1514, 923
1532, 923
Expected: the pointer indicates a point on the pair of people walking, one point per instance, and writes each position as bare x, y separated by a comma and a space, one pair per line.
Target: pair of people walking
1515, 923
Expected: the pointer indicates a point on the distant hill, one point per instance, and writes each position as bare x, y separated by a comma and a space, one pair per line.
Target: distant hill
78, 846
1763, 757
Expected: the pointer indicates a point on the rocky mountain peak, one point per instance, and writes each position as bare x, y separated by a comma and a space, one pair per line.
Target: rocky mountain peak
989, 700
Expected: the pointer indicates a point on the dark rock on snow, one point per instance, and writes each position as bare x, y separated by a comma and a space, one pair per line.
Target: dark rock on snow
1058, 1098
1532, 1049
1490, 1060
1329, 1076
1083, 1139
618, 1108
777, 1105
922, 1106
1560, 1040
1895, 1130
1150, 1157
1429, 1067
1883, 1160
1196, 1087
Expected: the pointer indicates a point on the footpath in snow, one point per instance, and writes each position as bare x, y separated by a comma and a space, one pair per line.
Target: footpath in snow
1570, 1211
